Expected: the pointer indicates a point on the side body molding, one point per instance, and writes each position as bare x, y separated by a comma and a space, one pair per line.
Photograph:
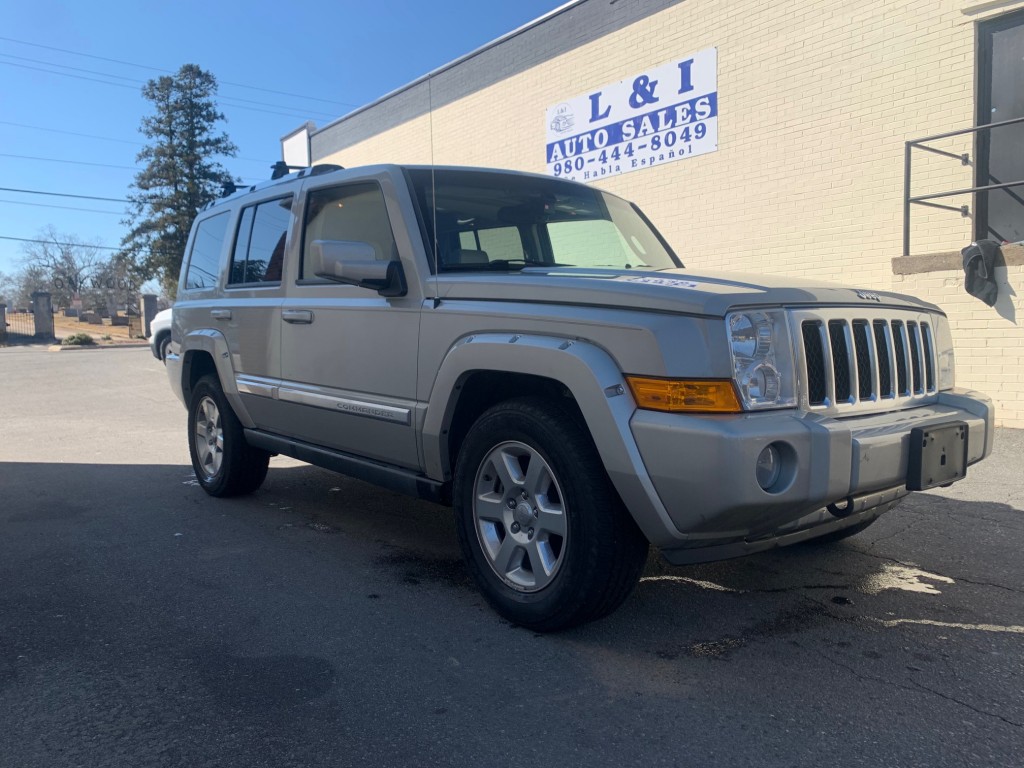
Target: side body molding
599, 388
212, 342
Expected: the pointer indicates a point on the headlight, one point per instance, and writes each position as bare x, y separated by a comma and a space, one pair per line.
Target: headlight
762, 358
944, 353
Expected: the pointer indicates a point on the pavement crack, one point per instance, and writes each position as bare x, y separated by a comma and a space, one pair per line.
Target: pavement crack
915, 687
893, 535
956, 578
987, 584
797, 588
971, 707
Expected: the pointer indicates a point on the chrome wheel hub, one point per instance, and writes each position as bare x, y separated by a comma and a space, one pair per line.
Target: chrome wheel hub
520, 516
209, 438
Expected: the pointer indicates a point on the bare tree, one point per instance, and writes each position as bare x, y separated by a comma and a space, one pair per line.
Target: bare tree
61, 264
8, 289
28, 281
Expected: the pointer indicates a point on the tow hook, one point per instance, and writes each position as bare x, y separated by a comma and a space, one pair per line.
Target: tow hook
843, 511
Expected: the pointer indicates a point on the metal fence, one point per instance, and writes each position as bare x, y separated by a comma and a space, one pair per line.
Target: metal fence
21, 325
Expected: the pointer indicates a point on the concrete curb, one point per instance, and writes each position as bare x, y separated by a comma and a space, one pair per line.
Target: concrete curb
60, 348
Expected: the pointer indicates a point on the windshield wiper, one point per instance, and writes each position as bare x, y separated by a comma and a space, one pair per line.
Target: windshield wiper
499, 265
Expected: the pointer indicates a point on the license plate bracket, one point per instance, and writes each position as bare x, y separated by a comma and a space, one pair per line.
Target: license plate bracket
938, 455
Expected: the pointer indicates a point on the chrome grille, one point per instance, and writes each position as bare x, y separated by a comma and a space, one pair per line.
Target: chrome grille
862, 361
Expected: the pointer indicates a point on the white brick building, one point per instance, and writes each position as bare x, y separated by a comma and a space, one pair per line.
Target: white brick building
816, 100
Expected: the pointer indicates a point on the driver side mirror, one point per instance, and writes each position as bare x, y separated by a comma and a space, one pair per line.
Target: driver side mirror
355, 263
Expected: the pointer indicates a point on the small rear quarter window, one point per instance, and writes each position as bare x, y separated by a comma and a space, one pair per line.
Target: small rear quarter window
204, 261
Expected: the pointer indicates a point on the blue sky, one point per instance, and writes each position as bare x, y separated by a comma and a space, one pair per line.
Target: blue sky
331, 57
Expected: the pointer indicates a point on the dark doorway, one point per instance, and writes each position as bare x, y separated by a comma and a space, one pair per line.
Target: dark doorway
1000, 213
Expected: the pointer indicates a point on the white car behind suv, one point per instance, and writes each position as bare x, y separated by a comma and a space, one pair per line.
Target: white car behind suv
160, 334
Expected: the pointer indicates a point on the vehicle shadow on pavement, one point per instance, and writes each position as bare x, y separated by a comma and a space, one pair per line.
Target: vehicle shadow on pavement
920, 549
318, 597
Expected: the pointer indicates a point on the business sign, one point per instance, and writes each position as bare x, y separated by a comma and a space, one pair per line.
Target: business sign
665, 114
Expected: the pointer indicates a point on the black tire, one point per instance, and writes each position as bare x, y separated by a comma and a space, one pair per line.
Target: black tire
602, 554
841, 534
241, 468
162, 346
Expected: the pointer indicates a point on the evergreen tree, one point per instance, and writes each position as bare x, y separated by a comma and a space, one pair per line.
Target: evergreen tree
181, 174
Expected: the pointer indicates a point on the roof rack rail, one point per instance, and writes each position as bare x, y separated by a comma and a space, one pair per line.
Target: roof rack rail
281, 169
316, 170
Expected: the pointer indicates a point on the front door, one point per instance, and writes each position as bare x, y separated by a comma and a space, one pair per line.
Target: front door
348, 355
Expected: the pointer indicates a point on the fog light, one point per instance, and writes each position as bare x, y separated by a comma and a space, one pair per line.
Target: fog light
769, 467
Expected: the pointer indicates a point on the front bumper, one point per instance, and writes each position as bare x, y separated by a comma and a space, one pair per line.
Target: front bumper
703, 469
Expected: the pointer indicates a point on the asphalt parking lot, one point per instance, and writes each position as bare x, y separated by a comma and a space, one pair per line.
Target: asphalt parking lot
324, 622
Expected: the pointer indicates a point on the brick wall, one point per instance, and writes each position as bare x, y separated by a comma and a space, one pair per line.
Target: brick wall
816, 98
989, 342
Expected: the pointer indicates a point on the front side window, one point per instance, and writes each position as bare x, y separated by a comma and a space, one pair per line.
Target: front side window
352, 213
505, 222
259, 247
204, 261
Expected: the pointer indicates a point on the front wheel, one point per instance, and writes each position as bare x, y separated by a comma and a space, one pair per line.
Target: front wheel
224, 463
544, 533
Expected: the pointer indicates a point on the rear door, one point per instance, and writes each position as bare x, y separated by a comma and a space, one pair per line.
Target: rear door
248, 314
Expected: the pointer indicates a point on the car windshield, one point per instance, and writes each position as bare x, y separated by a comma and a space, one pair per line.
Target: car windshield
504, 222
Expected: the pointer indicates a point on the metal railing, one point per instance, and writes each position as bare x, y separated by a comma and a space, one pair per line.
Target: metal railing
964, 158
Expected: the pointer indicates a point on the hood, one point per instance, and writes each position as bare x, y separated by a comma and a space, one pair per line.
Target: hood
667, 290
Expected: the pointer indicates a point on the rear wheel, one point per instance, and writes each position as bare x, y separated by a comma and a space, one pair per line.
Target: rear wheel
163, 346
224, 463
543, 531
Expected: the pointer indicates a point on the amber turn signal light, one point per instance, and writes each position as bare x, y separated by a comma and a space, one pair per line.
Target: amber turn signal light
677, 395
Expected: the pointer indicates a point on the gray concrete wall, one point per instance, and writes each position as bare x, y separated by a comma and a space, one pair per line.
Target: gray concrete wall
43, 311
147, 308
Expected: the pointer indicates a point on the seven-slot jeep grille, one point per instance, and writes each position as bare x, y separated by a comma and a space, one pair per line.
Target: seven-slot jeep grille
862, 361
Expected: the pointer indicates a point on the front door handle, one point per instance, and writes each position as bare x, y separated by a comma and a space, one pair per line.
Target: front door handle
298, 316
220, 314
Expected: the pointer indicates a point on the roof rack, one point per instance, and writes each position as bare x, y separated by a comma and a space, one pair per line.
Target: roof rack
280, 169
282, 172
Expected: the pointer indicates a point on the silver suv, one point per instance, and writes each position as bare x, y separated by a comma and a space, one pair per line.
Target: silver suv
531, 352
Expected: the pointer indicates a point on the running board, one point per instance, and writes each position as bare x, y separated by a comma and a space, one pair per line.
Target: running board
385, 475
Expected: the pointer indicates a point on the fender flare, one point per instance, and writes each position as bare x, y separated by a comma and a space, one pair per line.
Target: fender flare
600, 390
213, 343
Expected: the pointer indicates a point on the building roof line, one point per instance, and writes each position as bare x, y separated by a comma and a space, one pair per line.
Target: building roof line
450, 65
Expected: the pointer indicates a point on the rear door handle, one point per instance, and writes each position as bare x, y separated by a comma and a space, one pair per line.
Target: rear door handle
220, 314
298, 316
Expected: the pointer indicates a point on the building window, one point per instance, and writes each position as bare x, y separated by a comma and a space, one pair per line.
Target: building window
1000, 213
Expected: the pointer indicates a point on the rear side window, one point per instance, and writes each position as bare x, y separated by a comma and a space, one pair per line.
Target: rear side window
204, 261
259, 247
354, 212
